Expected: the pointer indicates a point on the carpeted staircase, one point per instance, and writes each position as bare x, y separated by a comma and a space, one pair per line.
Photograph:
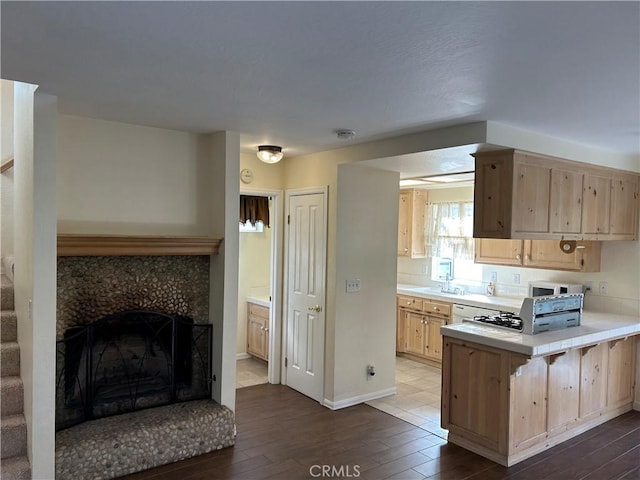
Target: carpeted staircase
13, 435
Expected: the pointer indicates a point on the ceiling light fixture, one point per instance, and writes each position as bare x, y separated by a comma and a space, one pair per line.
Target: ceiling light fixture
270, 153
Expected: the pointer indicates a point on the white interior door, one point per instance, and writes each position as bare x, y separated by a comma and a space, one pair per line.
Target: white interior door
306, 254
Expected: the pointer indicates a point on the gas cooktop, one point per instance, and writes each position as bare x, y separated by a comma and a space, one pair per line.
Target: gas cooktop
509, 321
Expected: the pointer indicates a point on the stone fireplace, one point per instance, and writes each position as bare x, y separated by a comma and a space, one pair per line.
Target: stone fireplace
134, 341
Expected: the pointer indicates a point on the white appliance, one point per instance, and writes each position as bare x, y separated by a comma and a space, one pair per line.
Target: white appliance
542, 289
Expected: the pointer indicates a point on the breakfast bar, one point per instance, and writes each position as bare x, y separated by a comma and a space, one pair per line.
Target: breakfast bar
508, 396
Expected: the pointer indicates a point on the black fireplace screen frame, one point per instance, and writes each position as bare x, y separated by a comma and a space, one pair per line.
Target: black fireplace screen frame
165, 359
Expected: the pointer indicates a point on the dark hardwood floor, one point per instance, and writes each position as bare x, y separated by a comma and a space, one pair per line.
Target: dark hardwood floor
285, 435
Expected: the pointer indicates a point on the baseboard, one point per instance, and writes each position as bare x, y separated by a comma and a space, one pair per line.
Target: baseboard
636, 405
348, 402
242, 356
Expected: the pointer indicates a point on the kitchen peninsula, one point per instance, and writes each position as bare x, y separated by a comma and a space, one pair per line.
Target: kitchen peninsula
508, 396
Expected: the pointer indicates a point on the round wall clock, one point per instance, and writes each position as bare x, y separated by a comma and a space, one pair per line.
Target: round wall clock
246, 175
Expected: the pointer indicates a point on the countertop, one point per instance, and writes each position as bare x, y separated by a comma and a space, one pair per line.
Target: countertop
260, 300
595, 328
511, 304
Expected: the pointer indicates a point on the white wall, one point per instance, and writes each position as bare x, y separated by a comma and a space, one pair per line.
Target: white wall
35, 274
223, 177
129, 179
6, 182
365, 323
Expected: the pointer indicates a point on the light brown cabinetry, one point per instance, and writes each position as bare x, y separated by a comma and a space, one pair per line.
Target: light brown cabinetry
418, 328
508, 407
411, 223
258, 330
526, 195
538, 254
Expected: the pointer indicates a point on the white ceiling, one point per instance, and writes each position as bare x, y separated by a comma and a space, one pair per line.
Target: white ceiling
289, 73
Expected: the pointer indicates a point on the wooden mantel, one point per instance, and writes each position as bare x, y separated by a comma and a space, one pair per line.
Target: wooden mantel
74, 245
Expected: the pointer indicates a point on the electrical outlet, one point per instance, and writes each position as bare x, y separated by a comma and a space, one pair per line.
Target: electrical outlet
353, 285
516, 278
424, 268
603, 288
494, 276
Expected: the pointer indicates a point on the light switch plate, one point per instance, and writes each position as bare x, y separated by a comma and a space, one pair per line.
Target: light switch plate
353, 285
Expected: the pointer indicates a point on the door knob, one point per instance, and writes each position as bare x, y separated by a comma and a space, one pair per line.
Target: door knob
317, 308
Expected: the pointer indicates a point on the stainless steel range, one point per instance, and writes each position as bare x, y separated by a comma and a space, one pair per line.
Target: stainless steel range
538, 314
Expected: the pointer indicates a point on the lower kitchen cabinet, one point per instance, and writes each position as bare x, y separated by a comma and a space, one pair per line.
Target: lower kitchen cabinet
418, 327
508, 407
258, 330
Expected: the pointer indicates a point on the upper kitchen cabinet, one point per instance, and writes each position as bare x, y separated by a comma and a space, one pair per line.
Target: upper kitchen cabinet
530, 196
538, 254
411, 223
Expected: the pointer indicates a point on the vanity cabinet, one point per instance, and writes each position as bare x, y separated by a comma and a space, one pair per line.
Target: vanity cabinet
258, 331
418, 327
538, 254
411, 223
530, 196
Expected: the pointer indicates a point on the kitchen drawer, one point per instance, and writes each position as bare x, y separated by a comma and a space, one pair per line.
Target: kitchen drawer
410, 303
258, 310
436, 308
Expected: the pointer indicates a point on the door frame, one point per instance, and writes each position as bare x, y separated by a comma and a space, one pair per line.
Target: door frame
275, 281
324, 190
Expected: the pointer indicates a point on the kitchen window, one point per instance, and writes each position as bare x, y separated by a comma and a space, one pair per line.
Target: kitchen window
449, 239
450, 230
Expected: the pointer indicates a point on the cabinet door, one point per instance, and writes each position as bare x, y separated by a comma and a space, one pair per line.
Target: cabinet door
624, 205
492, 194
400, 330
403, 224
531, 198
255, 336
433, 343
596, 203
498, 252
547, 254
620, 369
415, 333
418, 222
566, 201
593, 380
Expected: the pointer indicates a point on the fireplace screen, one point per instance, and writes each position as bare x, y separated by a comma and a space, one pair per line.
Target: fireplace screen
130, 361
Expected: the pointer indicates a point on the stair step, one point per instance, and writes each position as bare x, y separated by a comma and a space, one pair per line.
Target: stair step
11, 396
13, 431
9, 359
6, 293
8, 326
15, 468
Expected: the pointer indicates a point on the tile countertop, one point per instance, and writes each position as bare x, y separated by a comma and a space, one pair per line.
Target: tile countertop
595, 328
511, 304
262, 301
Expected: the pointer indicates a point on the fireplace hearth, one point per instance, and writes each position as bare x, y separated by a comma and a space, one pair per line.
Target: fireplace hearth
130, 361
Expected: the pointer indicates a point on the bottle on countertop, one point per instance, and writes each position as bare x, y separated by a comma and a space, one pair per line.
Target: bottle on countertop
491, 289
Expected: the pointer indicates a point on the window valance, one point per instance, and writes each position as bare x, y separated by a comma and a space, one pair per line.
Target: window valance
254, 209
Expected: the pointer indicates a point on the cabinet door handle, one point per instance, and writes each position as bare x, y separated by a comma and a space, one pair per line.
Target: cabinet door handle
266, 329
518, 257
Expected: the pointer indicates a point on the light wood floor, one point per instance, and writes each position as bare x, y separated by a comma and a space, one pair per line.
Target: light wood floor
285, 435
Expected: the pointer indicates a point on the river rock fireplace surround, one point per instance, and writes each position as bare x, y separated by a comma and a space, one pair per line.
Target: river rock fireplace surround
133, 386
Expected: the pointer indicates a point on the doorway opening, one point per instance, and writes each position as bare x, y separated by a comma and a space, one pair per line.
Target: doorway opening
259, 289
